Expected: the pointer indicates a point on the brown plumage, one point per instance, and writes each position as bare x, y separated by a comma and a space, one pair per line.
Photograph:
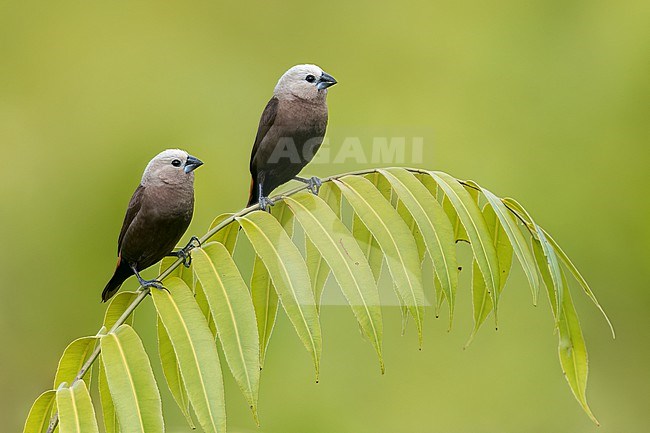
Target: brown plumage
158, 214
290, 131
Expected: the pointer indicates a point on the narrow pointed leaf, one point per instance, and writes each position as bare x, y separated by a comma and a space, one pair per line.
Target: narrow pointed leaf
131, 382
403, 211
290, 277
578, 276
117, 306
460, 234
266, 302
331, 195
573, 352
346, 260
317, 266
517, 239
440, 293
74, 357
435, 227
481, 301
109, 416
284, 216
368, 245
234, 316
364, 237
571, 349
76, 412
472, 219
318, 270
553, 268
195, 351
394, 238
39, 415
202, 301
172, 372
181, 271
227, 235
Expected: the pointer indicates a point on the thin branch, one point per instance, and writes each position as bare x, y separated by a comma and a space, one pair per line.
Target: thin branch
143, 292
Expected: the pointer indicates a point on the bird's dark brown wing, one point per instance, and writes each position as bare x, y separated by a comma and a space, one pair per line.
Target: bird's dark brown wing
266, 121
131, 212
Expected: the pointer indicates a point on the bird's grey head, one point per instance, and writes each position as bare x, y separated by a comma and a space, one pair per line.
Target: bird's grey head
171, 167
304, 82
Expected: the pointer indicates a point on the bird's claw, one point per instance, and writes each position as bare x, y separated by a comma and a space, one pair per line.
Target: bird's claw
186, 256
184, 253
313, 183
193, 243
266, 203
153, 283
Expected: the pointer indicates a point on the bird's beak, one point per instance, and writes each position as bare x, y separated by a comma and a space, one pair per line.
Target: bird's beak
192, 164
325, 81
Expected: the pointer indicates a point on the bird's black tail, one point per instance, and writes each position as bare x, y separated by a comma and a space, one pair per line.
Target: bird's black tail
253, 194
122, 272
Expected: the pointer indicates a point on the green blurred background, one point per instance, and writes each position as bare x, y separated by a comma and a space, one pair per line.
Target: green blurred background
545, 101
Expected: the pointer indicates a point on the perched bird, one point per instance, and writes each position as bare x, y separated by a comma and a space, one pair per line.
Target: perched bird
290, 132
158, 214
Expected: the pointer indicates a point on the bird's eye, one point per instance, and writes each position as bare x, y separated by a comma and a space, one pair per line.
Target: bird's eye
176, 163
310, 78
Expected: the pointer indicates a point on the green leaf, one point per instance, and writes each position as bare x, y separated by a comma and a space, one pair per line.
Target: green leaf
571, 349
578, 276
517, 239
202, 300
481, 301
403, 211
117, 307
554, 269
318, 270
76, 412
316, 265
394, 238
368, 245
234, 316
227, 235
39, 415
479, 236
131, 381
195, 351
382, 185
346, 260
542, 265
573, 352
172, 372
284, 216
181, 271
434, 225
111, 424
460, 234
364, 237
265, 301
331, 195
73, 358
290, 277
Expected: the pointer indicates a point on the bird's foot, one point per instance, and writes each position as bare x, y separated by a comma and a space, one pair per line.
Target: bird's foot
184, 253
266, 203
152, 283
313, 183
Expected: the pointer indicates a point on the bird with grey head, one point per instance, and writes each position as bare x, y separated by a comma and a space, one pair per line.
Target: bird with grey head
158, 215
290, 131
